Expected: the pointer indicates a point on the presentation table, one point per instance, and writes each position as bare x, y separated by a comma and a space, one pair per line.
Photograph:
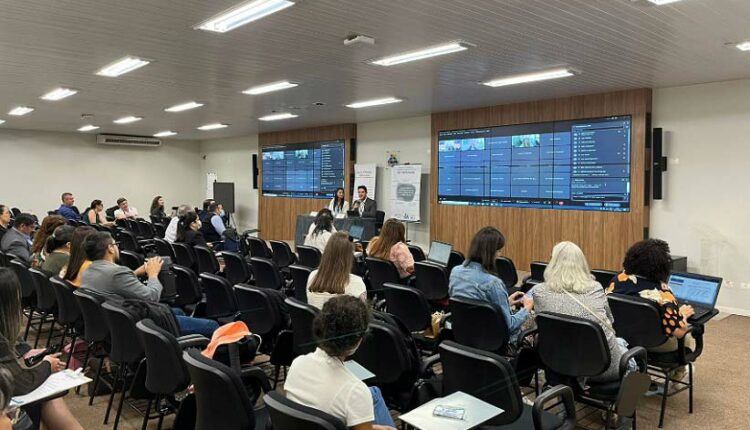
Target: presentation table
305, 220
477, 412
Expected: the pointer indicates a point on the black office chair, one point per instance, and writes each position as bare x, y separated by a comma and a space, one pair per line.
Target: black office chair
288, 415
236, 268
604, 277
282, 254
221, 304
411, 307
478, 325
639, 322
96, 330
491, 378
560, 342
188, 287
221, 399
267, 275
4, 261
379, 219
184, 254
454, 260
431, 280
130, 259
302, 316
309, 256
145, 229
164, 248
128, 241
258, 247
46, 303
506, 270
416, 253
28, 293
166, 373
207, 262
68, 315
300, 274
161, 229
380, 272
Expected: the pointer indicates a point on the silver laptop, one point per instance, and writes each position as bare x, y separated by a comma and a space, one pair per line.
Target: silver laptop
698, 291
440, 253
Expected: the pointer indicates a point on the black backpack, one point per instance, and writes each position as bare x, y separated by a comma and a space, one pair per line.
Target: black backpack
160, 313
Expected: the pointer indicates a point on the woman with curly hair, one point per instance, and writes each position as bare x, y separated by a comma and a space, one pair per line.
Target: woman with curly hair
645, 274
321, 381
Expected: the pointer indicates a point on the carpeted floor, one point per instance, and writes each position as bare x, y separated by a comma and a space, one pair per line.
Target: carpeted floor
722, 377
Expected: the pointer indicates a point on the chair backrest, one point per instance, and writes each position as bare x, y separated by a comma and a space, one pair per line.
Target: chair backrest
24, 277
604, 277
258, 247
302, 316
267, 275
188, 286
236, 269
417, 253
637, 320
409, 305
161, 229
257, 309
454, 260
478, 324
126, 347
300, 274
220, 398
207, 262
383, 352
130, 259
165, 370
282, 253
288, 415
220, 300
68, 310
563, 338
381, 272
145, 230
184, 254
45, 296
128, 241
432, 280
379, 217
94, 321
484, 375
309, 256
506, 271
164, 248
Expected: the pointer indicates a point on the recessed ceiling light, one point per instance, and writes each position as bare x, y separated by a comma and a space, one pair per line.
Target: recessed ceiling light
242, 14
21, 110
278, 116
122, 66
166, 133
744, 46
375, 102
59, 94
421, 54
267, 88
662, 2
2, 121
88, 127
127, 119
530, 77
213, 126
183, 106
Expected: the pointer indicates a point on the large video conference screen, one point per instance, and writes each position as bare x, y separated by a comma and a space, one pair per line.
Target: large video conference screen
308, 170
579, 165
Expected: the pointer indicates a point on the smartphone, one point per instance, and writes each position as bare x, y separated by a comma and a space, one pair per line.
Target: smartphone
452, 412
35, 359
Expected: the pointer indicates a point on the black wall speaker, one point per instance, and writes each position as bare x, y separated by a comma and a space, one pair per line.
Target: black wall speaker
255, 171
658, 163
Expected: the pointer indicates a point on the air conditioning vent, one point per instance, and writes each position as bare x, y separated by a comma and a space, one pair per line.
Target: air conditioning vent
125, 140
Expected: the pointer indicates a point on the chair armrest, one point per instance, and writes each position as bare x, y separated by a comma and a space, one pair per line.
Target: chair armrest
695, 330
641, 358
565, 395
524, 334
192, 341
428, 362
257, 374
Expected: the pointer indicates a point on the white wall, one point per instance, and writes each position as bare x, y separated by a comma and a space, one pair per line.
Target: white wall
232, 160
39, 166
706, 205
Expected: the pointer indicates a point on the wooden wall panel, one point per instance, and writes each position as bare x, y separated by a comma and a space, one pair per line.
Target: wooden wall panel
277, 215
531, 233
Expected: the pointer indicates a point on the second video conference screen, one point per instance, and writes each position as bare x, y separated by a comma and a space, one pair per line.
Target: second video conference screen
311, 170
580, 165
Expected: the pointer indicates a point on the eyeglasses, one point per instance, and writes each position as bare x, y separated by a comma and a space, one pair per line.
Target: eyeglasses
13, 414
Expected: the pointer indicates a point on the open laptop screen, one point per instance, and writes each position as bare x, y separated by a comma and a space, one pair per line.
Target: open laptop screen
695, 289
356, 231
440, 252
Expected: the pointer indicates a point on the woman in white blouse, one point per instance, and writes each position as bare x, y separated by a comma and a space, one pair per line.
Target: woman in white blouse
320, 231
338, 204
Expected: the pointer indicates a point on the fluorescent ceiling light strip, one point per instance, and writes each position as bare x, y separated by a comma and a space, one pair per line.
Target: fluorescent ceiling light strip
2, 121
127, 119
662, 2
744, 46
213, 126
122, 66
88, 127
530, 77
166, 133
278, 116
21, 110
242, 14
375, 102
183, 107
59, 94
276, 86
422, 54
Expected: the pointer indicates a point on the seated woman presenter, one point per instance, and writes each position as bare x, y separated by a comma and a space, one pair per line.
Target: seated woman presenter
333, 277
390, 245
321, 381
338, 204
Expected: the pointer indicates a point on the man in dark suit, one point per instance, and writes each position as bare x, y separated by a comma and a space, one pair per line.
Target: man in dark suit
366, 206
4, 220
17, 240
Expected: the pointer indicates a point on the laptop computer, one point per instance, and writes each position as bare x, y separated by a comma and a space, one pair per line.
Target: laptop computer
440, 253
356, 231
537, 271
698, 291
352, 213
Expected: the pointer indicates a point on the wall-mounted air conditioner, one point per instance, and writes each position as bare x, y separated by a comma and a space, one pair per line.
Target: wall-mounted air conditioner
125, 140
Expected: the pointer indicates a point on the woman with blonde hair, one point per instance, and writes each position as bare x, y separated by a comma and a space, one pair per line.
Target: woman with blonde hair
570, 289
391, 245
333, 277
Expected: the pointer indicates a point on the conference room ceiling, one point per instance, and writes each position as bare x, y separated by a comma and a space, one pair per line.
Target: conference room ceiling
615, 44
